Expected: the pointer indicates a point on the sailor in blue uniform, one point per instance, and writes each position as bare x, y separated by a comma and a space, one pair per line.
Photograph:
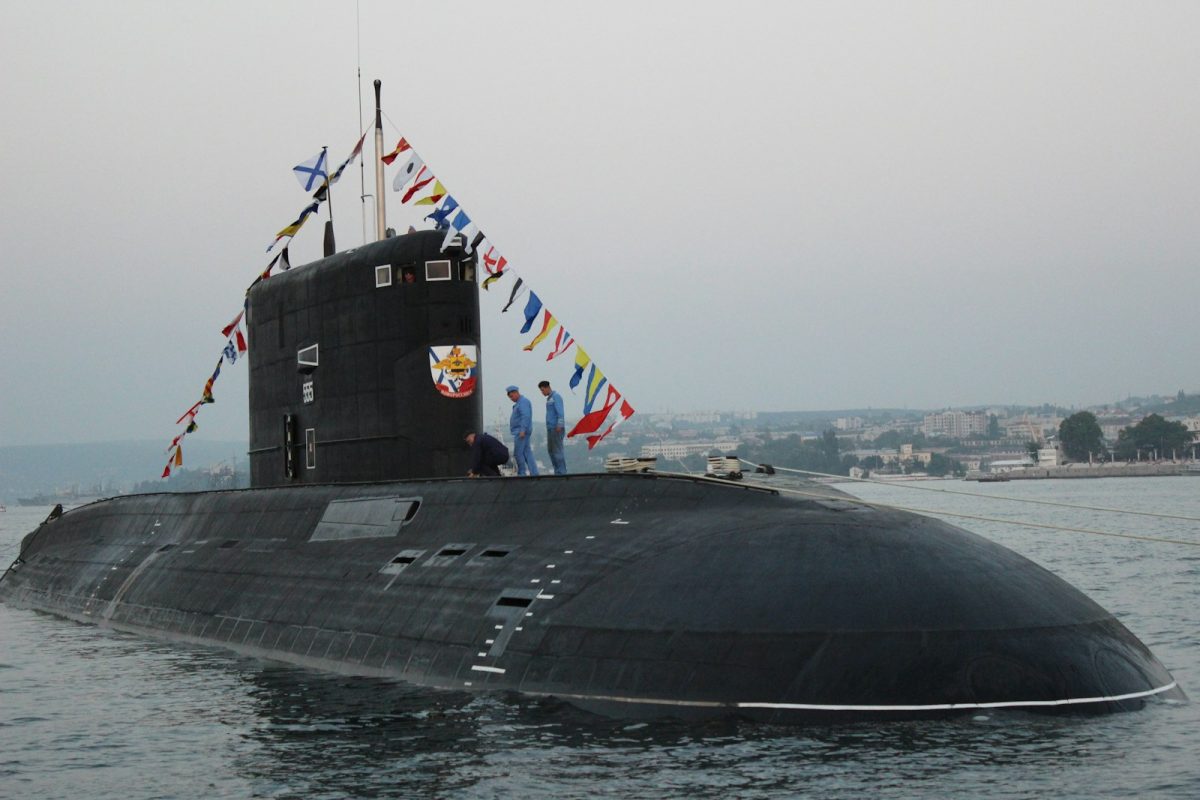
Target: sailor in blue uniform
555, 427
521, 426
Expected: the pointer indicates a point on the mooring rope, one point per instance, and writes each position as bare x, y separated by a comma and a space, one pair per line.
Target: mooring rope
937, 513
908, 485
677, 458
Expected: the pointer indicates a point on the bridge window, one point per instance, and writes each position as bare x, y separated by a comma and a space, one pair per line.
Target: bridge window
437, 270
307, 358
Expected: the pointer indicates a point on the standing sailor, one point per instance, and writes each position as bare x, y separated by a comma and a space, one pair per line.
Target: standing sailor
555, 422
521, 426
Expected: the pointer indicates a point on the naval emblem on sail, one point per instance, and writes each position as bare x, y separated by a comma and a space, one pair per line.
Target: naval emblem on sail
453, 369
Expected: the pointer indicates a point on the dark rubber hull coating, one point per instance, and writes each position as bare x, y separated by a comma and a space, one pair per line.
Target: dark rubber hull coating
629, 595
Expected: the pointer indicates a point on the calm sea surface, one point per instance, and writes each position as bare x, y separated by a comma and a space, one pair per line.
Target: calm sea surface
88, 712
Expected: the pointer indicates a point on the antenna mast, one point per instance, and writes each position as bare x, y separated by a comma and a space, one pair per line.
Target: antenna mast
362, 174
380, 211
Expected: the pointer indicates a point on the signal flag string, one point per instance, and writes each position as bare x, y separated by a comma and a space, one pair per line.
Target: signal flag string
596, 422
235, 342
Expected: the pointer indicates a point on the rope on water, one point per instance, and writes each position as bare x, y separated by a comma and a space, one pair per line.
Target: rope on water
906, 485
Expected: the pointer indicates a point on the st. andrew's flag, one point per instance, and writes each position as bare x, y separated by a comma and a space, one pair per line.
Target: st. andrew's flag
311, 173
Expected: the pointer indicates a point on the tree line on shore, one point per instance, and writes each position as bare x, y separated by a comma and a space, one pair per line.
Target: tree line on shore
1081, 439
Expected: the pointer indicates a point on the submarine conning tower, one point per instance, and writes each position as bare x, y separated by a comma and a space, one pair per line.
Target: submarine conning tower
364, 366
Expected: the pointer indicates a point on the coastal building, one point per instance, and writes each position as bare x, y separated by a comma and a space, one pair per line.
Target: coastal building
1111, 425
668, 419
677, 449
1008, 464
1025, 429
956, 424
905, 454
698, 417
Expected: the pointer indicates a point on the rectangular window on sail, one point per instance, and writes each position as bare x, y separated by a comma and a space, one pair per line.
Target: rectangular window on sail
307, 358
437, 270
383, 276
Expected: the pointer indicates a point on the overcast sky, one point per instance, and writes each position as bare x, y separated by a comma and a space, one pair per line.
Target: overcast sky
731, 205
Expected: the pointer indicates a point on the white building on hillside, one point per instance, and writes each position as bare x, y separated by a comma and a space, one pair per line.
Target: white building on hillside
681, 449
956, 424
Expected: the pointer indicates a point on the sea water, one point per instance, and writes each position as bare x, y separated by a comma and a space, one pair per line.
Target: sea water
89, 712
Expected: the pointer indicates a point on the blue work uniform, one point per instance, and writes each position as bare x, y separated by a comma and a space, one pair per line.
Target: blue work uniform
556, 428
522, 422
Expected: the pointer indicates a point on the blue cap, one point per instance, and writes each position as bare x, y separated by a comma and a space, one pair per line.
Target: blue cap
511, 389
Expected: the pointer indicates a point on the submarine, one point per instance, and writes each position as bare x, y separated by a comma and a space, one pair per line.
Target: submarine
362, 548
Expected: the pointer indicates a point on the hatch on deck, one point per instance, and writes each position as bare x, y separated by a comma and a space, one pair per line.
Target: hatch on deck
365, 518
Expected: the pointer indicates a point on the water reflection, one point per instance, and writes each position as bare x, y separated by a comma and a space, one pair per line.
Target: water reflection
322, 735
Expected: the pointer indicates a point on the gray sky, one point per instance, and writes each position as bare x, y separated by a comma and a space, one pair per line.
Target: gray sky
732, 205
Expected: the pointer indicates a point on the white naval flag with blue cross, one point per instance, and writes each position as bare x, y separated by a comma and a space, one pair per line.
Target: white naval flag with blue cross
312, 172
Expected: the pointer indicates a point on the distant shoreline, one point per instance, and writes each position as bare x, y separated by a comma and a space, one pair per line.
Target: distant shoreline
1107, 470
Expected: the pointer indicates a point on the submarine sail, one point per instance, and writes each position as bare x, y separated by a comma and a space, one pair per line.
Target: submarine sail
364, 366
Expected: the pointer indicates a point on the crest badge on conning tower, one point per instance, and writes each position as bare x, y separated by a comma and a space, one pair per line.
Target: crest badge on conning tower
453, 368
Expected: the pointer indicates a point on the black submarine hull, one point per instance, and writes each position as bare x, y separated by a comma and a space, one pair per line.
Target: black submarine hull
629, 595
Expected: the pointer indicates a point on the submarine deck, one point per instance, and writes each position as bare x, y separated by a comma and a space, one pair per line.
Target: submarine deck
650, 594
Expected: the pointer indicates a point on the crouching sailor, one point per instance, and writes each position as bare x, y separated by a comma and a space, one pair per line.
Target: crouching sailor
521, 426
487, 454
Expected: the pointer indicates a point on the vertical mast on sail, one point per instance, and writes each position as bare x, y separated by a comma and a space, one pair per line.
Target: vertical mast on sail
380, 211
362, 169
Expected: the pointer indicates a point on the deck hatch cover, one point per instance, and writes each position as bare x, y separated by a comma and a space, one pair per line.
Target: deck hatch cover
491, 555
509, 610
364, 518
401, 561
448, 554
